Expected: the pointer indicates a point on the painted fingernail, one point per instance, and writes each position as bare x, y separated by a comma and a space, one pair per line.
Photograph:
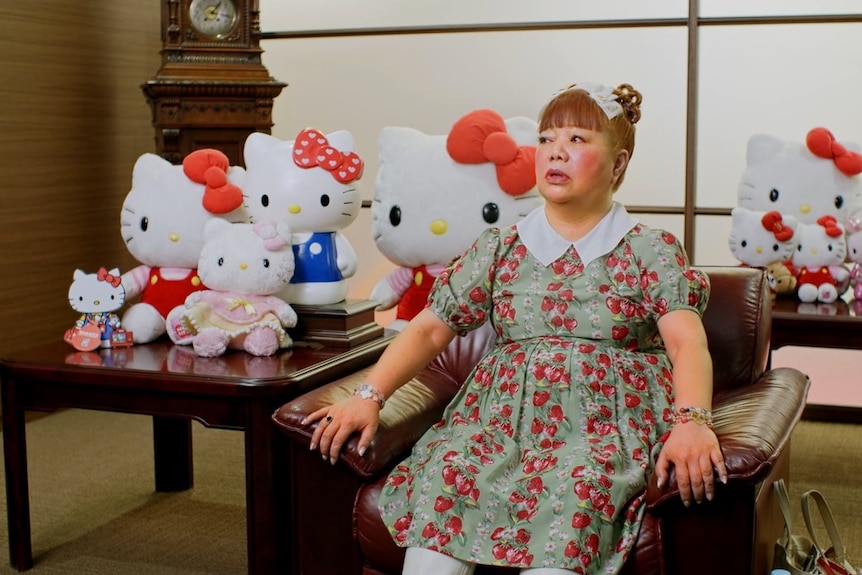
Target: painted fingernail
361, 451
312, 446
323, 455
723, 479
659, 483
304, 422
332, 460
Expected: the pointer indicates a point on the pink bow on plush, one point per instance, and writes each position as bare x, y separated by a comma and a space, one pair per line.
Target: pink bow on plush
481, 137
822, 144
209, 167
311, 149
104, 276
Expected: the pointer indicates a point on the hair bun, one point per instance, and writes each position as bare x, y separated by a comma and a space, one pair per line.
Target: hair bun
630, 99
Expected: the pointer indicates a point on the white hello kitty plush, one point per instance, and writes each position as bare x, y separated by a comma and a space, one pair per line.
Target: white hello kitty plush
312, 184
435, 194
806, 181
765, 239
819, 260
96, 296
162, 223
244, 266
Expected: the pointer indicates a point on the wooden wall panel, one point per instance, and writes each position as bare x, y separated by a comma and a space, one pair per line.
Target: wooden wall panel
73, 120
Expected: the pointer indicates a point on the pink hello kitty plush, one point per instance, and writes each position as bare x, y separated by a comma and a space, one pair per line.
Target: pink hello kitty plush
854, 253
435, 194
162, 223
244, 266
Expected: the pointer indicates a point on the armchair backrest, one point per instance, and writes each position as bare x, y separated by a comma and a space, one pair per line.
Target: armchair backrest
738, 323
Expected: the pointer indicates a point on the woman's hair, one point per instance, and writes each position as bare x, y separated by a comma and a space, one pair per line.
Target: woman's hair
576, 107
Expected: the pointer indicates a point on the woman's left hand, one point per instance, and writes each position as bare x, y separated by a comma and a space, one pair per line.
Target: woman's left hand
693, 451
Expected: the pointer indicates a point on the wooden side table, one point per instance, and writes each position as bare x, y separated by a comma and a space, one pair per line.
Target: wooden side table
837, 325
235, 391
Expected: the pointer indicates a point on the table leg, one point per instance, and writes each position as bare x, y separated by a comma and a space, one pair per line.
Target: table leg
17, 487
172, 451
269, 553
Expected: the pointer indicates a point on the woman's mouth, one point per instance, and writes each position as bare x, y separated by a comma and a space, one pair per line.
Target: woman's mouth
556, 177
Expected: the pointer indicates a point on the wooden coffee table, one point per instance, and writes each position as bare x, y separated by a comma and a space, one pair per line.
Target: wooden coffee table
236, 391
837, 325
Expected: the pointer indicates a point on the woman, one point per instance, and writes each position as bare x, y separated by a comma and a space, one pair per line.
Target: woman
599, 375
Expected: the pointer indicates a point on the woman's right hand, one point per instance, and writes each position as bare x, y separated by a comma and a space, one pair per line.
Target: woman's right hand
339, 421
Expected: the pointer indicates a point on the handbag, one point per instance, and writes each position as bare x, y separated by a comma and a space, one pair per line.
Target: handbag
832, 561
795, 553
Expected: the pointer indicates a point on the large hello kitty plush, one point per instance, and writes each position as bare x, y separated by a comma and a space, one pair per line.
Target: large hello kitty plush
806, 181
243, 265
819, 260
435, 194
768, 240
312, 184
162, 223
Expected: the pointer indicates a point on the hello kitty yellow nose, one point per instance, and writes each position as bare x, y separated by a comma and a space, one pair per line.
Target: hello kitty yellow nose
805, 208
294, 209
174, 237
243, 266
439, 227
759, 250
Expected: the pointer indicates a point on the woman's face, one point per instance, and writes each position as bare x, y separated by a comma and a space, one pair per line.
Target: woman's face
576, 164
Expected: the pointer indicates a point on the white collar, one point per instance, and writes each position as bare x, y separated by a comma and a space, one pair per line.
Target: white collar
547, 245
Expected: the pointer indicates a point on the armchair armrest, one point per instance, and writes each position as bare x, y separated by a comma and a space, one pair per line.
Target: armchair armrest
407, 415
753, 424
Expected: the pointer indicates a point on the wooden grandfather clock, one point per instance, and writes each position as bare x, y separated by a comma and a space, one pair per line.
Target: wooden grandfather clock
212, 89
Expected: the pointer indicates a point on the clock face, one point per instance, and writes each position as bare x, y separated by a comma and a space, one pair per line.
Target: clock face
213, 18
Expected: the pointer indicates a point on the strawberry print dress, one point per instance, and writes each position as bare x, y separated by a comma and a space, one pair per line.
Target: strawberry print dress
542, 458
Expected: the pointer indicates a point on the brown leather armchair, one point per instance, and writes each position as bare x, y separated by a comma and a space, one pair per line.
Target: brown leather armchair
754, 410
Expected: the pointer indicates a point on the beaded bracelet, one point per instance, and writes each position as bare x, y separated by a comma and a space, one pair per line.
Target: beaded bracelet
368, 391
699, 415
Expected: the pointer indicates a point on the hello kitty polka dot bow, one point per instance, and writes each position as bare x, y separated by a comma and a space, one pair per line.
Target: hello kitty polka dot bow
822, 144
481, 137
311, 149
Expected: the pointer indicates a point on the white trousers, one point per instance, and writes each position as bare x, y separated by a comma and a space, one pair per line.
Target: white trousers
421, 561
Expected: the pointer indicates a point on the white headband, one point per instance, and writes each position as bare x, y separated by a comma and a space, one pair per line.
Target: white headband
601, 95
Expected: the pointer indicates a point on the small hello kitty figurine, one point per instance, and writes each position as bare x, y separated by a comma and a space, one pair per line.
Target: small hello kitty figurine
819, 259
162, 224
310, 183
96, 296
435, 194
244, 265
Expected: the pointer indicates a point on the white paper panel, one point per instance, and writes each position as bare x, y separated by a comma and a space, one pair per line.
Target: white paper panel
778, 7
429, 81
782, 80
282, 15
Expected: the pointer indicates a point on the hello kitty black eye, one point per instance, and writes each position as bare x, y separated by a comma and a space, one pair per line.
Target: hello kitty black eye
490, 212
145, 223
773, 195
775, 247
221, 262
112, 296
395, 215
839, 201
264, 200
743, 243
324, 200
265, 262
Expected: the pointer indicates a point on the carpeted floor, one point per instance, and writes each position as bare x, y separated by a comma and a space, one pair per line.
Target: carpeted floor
94, 511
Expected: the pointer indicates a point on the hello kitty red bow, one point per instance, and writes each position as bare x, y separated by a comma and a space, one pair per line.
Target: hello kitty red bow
104, 276
481, 137
822, 144
772, 222
311, 149
209, 166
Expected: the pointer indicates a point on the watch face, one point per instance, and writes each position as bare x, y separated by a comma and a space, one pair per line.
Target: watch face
213, 18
